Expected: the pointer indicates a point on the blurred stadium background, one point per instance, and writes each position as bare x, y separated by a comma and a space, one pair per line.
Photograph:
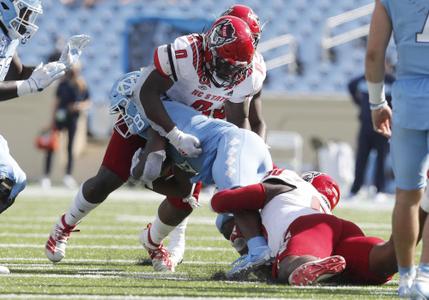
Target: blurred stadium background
312, 49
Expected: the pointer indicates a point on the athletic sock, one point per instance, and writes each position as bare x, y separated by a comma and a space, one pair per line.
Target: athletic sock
79, 208
159, 230
406, 271
176, 246
256, 244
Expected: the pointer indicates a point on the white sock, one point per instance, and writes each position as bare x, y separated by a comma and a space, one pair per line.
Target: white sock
159, 230
79, 208
176, 246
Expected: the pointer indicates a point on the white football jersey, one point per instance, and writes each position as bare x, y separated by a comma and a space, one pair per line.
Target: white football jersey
303, 199
7, 51
182, 62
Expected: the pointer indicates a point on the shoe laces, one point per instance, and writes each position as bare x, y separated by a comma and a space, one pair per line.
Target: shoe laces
63, 233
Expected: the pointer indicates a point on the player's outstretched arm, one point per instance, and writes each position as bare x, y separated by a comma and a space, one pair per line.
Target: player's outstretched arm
40, 78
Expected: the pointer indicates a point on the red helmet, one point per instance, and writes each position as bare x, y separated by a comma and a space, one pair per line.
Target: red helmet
247, 15
228, 50
325, 185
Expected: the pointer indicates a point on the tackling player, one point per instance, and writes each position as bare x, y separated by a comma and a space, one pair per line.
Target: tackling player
17, 23
192, 82
309, 243
407, 127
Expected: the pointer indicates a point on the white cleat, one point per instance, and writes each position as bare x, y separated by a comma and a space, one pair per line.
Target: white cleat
55, 247
159, 255
420, 288
405, 283
4, 270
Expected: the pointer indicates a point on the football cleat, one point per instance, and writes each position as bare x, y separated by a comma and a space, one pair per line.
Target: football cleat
420, 287
55, 247
159, 255
405, 283
249, 263
316, 271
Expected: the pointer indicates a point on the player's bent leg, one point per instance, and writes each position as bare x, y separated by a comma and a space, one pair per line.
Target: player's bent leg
92, 192
169, 216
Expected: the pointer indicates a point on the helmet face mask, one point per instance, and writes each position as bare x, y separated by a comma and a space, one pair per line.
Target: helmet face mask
228, 50
19, 17
129, 121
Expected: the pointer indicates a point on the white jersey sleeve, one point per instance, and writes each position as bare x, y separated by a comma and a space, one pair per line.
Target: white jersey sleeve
164, 62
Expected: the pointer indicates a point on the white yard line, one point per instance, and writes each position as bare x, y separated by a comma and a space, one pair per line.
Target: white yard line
66, 261
99, 236
115, 247
124, 297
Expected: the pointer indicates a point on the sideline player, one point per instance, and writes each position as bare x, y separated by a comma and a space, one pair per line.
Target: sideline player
17, 23
309, 243
407, 128
115, 167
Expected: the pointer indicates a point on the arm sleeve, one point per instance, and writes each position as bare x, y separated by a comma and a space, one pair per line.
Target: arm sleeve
165, 62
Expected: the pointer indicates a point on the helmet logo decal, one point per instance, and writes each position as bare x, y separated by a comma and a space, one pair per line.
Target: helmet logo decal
223, 33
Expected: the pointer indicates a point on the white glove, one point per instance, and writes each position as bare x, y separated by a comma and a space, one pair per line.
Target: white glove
152, 167
41, 77
191, 200
73, 49
187, 144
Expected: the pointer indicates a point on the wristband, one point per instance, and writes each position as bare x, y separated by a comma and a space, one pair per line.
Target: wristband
376, 92
23, 87
373, 106
173, 134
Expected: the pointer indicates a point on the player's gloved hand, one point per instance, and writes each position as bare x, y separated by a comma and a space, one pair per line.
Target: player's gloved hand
187, 144
73, 49
41, 77
153, 167
192, 201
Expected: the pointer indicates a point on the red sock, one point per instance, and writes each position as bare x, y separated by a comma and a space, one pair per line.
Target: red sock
251, 197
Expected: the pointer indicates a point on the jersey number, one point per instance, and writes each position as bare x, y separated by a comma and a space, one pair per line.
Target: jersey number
423, 36
204, 107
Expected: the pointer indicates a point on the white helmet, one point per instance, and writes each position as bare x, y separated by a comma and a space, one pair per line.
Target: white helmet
19, 17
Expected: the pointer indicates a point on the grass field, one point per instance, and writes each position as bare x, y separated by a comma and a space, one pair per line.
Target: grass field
104, 260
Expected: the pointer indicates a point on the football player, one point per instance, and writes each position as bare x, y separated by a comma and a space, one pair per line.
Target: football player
407, 127
309, 243
17, 23
176, 246
191, 80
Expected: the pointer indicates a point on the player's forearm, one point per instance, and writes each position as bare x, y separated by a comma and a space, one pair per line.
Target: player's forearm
26, 72
374, 66
8, 90
156, 112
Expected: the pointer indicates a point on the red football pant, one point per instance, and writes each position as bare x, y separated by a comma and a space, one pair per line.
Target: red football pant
119, 154
322, 235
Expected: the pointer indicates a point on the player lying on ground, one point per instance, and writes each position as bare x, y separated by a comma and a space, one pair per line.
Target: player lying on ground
309, 243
